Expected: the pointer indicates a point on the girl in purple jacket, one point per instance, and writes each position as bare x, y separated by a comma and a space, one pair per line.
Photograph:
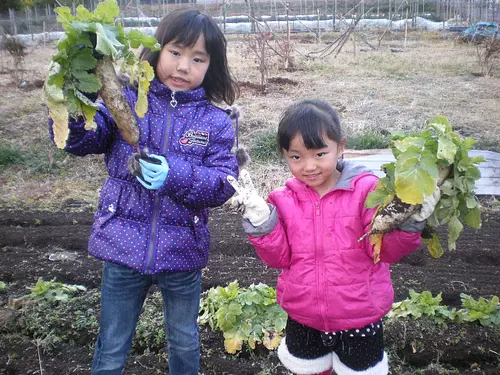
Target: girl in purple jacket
334, 293
154, 230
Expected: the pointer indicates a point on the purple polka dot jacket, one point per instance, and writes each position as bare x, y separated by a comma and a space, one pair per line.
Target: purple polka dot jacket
153, 231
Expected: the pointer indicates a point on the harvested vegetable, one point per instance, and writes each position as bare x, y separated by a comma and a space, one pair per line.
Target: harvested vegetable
84, 65
440, 157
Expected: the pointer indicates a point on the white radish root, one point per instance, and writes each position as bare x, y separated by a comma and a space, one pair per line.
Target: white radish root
397, 212
112, 94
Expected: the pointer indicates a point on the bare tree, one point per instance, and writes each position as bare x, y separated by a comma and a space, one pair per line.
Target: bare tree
488, 55
17, 51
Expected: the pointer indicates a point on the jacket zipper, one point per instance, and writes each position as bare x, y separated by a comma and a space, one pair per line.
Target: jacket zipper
156, 205
319, 256
321, 273
319, 251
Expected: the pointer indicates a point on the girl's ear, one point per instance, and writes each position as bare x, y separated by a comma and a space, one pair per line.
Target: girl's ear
341, 146
282, 154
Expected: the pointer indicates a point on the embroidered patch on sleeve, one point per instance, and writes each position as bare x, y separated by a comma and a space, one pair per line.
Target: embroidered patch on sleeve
195, 137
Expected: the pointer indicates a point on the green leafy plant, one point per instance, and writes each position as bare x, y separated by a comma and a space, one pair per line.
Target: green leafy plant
244, 315
485, 312
53, 291
440, 157
84, 64
149, 333
3, 286
495, 202
421, 304
73, 322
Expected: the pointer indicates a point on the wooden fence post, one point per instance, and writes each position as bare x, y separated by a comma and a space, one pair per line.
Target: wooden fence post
13, 21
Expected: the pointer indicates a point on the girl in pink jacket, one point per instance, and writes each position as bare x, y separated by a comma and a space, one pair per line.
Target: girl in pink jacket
334, 293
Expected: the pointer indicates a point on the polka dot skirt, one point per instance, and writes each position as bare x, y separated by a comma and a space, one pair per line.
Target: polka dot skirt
358, 349
330, 338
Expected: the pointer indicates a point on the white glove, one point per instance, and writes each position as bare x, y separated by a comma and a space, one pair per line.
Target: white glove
428, 206
247, 202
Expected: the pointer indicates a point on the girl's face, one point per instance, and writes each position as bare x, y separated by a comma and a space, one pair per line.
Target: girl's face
183, 68
315, 167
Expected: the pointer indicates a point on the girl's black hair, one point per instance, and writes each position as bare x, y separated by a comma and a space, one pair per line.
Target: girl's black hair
184, 26
311, 119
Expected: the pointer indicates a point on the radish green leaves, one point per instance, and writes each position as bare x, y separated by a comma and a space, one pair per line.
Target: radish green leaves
437, 156
90, 37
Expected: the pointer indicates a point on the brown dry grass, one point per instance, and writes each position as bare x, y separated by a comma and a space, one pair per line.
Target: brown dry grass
380, 89
397, 87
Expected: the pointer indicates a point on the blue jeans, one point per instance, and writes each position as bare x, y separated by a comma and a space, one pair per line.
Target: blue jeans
123, 293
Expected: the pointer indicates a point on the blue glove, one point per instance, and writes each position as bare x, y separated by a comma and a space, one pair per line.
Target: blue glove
154, 171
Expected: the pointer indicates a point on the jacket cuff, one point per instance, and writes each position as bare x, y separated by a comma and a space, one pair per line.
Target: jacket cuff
263, 229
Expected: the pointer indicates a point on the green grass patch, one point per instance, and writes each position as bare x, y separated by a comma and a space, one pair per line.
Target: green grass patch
487, 144
42, 160
368, 141
264, 148
10, 155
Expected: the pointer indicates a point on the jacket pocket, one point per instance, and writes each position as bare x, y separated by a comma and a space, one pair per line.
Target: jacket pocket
201, 232
105, 214
108, 205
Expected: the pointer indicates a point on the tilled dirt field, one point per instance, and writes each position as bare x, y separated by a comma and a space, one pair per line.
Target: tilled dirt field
28, 239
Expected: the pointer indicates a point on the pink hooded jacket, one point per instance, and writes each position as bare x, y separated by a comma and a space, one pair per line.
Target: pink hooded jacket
329, 281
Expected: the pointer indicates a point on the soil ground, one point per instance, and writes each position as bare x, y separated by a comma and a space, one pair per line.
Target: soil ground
27, 240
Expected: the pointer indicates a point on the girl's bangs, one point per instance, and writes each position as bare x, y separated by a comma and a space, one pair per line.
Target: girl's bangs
189, 33
312, 126
187, 36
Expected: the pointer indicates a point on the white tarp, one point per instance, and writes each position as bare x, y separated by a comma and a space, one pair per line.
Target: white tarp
279, 26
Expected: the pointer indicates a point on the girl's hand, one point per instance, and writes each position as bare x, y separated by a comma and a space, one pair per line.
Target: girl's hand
154, 171
428, 206
247, 202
